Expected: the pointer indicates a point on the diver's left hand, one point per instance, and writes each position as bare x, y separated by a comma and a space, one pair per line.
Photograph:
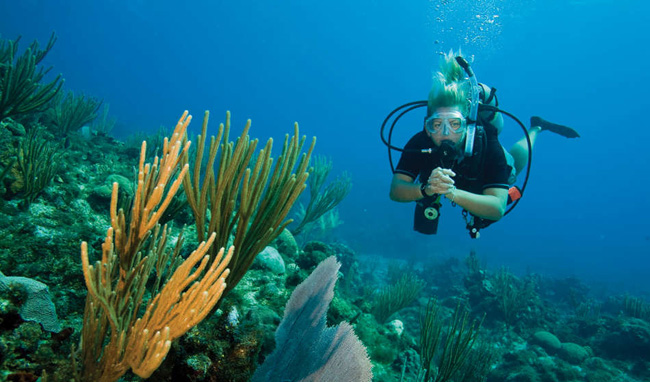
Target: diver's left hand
441, 182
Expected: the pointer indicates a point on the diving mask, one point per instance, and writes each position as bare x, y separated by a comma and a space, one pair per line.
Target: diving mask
446, 123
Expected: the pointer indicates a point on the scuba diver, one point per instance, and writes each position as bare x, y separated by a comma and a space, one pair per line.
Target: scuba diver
457, 155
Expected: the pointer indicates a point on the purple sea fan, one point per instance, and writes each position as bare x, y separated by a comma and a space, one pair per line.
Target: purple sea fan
306, 349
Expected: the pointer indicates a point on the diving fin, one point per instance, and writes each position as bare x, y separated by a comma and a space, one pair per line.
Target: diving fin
564, 131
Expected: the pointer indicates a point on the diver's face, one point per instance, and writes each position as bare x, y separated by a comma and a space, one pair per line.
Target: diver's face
446, 123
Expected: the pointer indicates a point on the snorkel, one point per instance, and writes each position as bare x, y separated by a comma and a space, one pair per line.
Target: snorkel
473, 109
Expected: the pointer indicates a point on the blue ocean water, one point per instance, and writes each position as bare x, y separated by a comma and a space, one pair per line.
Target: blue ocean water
339, 67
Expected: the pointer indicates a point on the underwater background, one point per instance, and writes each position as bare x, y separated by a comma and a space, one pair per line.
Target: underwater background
338, 68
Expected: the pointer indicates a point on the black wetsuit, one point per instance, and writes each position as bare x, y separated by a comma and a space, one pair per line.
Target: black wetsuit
486, 169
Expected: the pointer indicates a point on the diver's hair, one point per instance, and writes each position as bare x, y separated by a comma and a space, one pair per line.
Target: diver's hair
450, 88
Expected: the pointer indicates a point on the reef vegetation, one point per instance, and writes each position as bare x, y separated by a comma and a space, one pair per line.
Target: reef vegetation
191, 268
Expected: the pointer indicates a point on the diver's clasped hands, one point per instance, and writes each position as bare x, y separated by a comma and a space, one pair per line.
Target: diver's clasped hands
440, 181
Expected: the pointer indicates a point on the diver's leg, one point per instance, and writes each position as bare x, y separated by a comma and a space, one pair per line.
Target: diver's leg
519, 150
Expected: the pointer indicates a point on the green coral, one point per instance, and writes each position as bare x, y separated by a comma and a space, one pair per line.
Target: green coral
320, 202
446, 351
397, 296
37, 162
21, 90
512, 297
72, 112
104, 124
